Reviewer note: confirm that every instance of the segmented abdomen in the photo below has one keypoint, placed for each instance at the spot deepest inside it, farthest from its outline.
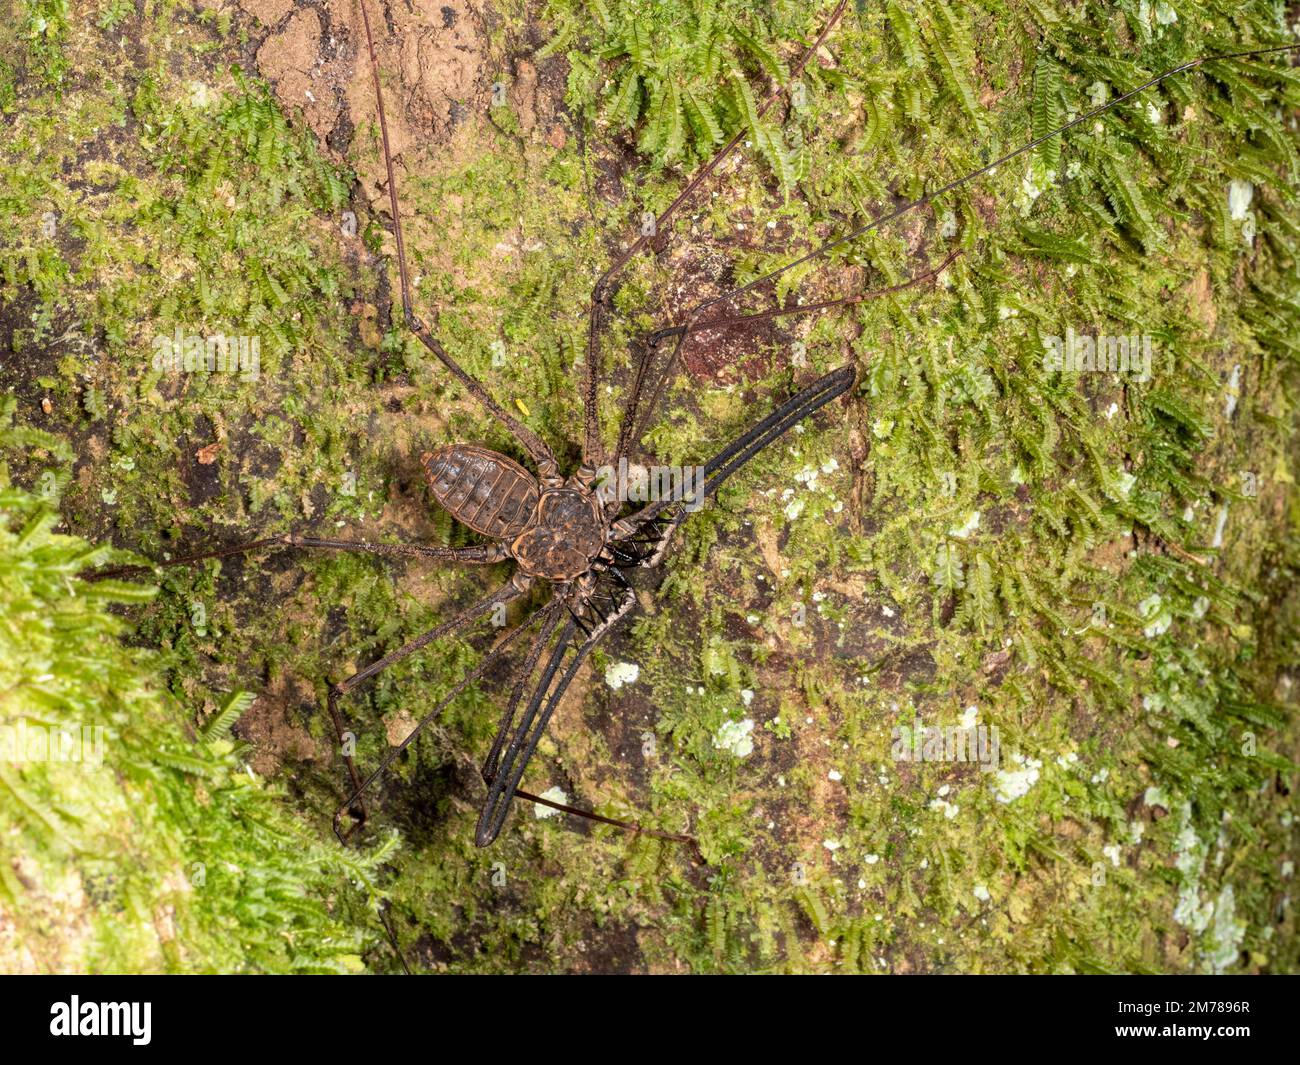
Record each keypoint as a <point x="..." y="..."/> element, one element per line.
<point x="487" y="491"/>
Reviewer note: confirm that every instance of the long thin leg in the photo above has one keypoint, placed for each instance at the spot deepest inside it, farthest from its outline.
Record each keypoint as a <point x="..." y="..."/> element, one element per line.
<point x="639" y="424"/>
<point x="628" y="826"/>
<point x="690" y="318"/>
<point x="355" y="799"/>
<point x="490" y="764"/>
<point x="551" y="616"/>
<point x="475" y="554"/>
<point x="593" y="452"/>
<point x="504" y="783"/>
<point x="542" y="456"/>
<point x="488" y="660"/>
<point x="649" y="528"/>
<point x="965" y="179"/>
<point x="777" y="424"/>
<point x="505" y="780"/>
<point x="386" y="920"/>
<point x="733" y="321"/>
<point x="515" y="587"/>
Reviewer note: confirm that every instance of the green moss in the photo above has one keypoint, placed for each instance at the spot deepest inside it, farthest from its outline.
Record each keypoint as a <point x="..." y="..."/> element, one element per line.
<point x="842" y="585"/>
<point x="132" y="842"/>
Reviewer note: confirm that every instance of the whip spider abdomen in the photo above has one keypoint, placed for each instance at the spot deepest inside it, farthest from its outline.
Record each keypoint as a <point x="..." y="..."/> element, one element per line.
<point x="483" y="490"/>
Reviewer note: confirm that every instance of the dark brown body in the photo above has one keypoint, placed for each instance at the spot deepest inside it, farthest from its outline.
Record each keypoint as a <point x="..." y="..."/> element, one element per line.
<point x="553" y="532"/>
<point x="481" y="489"/>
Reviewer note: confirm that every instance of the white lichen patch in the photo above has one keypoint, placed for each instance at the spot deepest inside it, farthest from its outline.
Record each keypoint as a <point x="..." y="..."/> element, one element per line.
<point x="1156" y="615"/>
<point x="1227" y="930"/>
<point x="555" y="795"/>
<point x="619" y="673"/>
<point x="1232" y="392"/>
<point x="1156" y="797"/>
<point x="943" y="806"/>
<point x="962" y="531"/>
<point x="1240" y="195"/>
<point x="1213" y="917"/>
<point x="808" y="476"/>
<point x="1036" y="181"/>
<point x="1191" y="912"/>
<point x="1012" y="784"/>
<point x="1122" y="483"/>
<point x="735" y="737"/>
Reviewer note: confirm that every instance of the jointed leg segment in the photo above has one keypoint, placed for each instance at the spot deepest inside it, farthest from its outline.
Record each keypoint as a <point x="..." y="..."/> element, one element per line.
<point x="512" y="590"/>
<point x="593" y="453"/>
<point x="548" y="468"/>
<point x="476" y="554"/>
